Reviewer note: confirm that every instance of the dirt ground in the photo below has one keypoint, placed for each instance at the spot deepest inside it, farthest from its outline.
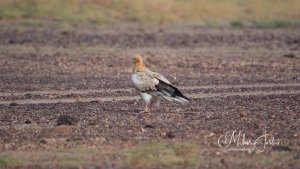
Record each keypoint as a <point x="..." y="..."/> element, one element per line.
<point x="245" y="80"/>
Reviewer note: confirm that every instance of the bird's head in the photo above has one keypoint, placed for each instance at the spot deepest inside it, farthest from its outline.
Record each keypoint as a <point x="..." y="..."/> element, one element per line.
<point x="138" y="63"/>
<point x="137" y="59"/>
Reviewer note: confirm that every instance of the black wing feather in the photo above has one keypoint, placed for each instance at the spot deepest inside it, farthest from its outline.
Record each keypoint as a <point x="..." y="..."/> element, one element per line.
<point x="169" y="89"/>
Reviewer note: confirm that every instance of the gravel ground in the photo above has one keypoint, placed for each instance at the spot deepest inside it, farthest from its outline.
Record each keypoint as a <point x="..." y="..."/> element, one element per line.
<point x="245" y="80"/>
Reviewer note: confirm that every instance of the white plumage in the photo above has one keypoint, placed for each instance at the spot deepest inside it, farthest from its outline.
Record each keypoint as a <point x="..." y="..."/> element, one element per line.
<point x="153" y="86"/>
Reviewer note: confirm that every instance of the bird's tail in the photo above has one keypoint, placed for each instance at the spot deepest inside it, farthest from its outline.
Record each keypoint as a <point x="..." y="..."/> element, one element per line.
<point x="180" y="97"/>
<point x="171" y="93"/>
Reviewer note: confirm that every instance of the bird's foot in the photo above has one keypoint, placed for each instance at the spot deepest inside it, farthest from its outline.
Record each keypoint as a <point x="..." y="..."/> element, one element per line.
<point x="145" y="111"/>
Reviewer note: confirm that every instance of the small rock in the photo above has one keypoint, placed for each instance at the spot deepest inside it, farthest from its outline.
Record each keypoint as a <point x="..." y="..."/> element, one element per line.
<point x="289" y="55"/>
<point x="143" y="130"/>
<point x="13" y="104"/>
<point x="211" y="134"/>
<point x="170" y="134"/>
<point x="27" y="121"/>
<point x="148" y="126"/>
<point x="43" y="141"/>
<point x="92" y="123"/>
<point x="222" y="161"/>
<point x="243" y="114"/>
<point x="11" y="41"/>
<point x="282" y="148"/>
<point x="194" y="109"/>
<point x="67" y="120"/>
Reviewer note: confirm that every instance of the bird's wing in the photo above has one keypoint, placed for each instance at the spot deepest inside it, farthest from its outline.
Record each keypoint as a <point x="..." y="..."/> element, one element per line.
<point x="158" y="76"/>
<point x="143" y="82"/>
<point x="154" y="83"/>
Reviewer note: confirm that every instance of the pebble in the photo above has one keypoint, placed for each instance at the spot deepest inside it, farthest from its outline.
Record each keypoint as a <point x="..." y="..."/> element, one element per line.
<point x="67" y="120"/>
<point x="13" y="104"/>
<point x="170" y="134"/>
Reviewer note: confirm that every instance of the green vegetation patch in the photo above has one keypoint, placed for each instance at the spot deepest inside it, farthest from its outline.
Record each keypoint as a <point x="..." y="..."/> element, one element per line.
<point x="270" y="159"/>
<point x="8" y="160"/>
<point x="237" y="24"/>
<point x="280" y="13"/>
<point x="163" y="154"/>
<point x="275" y="23"/>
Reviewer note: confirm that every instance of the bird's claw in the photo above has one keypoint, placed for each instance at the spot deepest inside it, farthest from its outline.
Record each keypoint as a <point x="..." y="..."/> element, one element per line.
<point x="145" y="111"/>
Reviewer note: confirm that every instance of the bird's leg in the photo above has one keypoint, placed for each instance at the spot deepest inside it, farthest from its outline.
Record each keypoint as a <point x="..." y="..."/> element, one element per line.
<point x="155" y="101"/>
<point x="146" y="110"/>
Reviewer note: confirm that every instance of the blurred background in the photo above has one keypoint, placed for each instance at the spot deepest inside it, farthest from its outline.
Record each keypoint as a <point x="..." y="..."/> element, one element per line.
<point x="235" y="13"/>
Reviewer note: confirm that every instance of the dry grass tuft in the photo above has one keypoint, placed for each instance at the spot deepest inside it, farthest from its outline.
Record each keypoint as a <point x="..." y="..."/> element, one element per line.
<point x="154" y="11"/>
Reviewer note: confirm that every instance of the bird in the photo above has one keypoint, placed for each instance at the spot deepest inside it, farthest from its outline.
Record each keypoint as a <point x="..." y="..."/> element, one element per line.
<point x="153" y="86"/>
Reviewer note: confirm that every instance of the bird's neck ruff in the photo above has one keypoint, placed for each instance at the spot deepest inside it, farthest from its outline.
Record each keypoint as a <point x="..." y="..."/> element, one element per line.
<point x="139" y="66"/>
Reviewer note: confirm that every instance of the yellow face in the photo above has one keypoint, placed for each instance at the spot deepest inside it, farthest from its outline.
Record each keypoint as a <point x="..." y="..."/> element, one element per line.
<point x="137" y="59"/>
